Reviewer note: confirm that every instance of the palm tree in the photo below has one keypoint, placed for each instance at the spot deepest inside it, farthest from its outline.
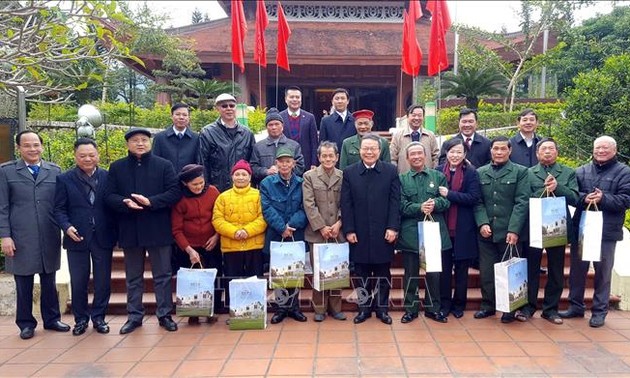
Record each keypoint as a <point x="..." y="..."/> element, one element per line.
<point x="473" y="83"/>
<point x="207" y="89"/>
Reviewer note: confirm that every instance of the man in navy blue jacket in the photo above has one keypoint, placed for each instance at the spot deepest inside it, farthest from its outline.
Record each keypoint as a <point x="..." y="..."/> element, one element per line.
<point x="89" y="234"/>
<point x="525" y="141"/>
<point x="141" y="188"/>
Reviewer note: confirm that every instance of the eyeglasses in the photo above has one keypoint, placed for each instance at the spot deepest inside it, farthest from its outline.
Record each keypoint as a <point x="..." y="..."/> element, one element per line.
<point x="225" y="106"/>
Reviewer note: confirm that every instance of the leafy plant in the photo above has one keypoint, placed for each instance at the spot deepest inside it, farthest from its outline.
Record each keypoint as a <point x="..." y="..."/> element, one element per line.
<point x="472" y="83"/>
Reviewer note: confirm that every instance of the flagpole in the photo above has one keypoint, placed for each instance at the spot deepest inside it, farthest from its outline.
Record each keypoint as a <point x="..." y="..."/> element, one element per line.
<point x="277" y="86"/>
<point x="259" y="87"/>
<point x="400" y="95"/>
<point x="232" y="78"/>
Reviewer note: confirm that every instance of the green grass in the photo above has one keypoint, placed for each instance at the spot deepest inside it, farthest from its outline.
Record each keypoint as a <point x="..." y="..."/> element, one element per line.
<point x="238" y="324"/>
<point x="194" y="312"/>
<point x="554" y="241"/>
<point x="279" y="283"/>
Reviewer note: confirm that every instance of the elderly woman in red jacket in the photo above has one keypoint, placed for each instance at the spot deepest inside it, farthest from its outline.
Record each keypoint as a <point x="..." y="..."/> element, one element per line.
<point x="191" y="220"/>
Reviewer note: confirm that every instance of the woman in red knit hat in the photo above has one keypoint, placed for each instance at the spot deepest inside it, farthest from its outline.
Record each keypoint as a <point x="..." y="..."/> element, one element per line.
<point x="191" y="220"/>
<point x="239" y="220"/>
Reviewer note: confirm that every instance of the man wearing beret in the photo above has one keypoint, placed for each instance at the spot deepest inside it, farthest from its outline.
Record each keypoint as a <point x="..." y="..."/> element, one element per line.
<point x="141" y="188"/>
<point x="224" y="142"/>
<point x="350" y="148"/>
<point x="263" y="159"/>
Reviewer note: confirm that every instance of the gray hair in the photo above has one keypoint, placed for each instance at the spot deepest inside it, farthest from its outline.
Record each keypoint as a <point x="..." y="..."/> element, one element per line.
<point x="607" y="139"/>
<point x="327" y="144"/>
<point x="415" y="144"/>
<point x="371" y="136"/>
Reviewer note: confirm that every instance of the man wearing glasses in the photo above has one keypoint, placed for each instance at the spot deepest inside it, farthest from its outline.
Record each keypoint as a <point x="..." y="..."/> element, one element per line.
<point x="223" y="143"/>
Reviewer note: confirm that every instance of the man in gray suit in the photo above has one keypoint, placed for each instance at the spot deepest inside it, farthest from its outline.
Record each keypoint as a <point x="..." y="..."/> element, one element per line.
<point x="31" y="241"/>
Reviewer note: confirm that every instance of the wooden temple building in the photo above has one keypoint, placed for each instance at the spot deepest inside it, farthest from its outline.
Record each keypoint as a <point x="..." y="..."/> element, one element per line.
<point x="351" y="44"/>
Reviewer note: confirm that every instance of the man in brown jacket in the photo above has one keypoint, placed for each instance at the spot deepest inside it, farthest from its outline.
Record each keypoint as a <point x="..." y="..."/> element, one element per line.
<point x="321" y="193"/>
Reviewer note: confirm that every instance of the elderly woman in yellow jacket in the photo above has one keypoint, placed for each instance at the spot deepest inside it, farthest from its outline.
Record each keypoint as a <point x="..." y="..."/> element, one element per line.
<point x="238" y="218"/>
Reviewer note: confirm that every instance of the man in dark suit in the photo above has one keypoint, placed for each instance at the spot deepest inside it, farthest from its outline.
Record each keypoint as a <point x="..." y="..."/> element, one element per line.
<point x="300" y="126"/>
<point x="179" y="145"/>
<point x="477" y="146"/>
<point x="141" y="188"/>
<point x="90" y="234"/>
<point x="339" y="125"/>
<point x="525" y="141"/>
<point x="31" y="241"/>
<point x="370" y="218"/>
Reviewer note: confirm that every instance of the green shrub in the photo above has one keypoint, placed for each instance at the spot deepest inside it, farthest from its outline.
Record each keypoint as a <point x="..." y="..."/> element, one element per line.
<point x="256" y="120"/>
<point x="53" y="112"/>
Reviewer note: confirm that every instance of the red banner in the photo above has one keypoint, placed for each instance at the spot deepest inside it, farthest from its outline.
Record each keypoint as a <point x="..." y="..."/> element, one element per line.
<point x="440" y="23"/>
<point x="239" y="29"/>
<point x="284" y="32"/>
<point x="262" y="21"/>
<point x="411" y="53"/>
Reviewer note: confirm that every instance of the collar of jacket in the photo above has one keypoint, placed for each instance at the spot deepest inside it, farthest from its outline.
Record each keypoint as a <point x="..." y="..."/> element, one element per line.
<point x="237" y="125"/>
<point x="242" y="190"/>
<point x="281" y="140"/>
<point x="278" y="180"/>
<point x="424" y="171"/>
<point x="518" y="138"/>
<point x="171" y="132"/>
<point x="605" y="165"/>
<point x="407" y="131"/>
<point x="142" y="159"/>
<point x="377" y="166"/>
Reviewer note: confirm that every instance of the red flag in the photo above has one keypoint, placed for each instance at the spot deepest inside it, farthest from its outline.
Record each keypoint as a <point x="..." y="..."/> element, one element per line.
<point x="262" y="21"/>
<point x="440" y="23"/>
<point x="411" y="53"/>
<point x="284" y="32"/>
<point x="239" y="28"/>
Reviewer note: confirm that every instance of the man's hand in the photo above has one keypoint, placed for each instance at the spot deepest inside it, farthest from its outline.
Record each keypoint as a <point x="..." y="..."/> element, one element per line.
<point x="288" y="232"/>
<point x="427" y="206"/>
<point x="335" y="229"/>
<point x="132" y="204"/>
<point x="193" y="255"/>
<point x="8" y="247"/>
<point x="511" y="238"/>
<point x="352" y="238"/>
<point x="485" y="231"/>
<point x="390" y="235"/>
<point x="74" y="234"/>
<point x="443" y="191"/>
<point x="594" y="197"/>
<point x="272" y="170"/>
<point x="326" y="232"/>
<point x="550" y="183"/>
<point x="142" y="200"/>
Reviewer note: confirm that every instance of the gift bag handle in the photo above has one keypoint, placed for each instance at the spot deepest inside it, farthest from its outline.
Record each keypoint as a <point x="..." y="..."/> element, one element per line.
<point x="429" y="217"/>
<point x="335" y="239"/>
<point x="510" y="251"/>
<point x="592" y="204"/>
<point x="198" y="262"/>
<point x="547" y="193"/>
<point x="292" y="239"/>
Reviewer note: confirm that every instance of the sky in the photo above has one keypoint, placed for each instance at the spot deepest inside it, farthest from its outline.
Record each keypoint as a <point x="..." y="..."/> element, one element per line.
<point x="487" y="15"/>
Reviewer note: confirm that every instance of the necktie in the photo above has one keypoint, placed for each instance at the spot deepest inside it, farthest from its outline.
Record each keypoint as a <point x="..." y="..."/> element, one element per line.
<point x="469" y="142"/>
<point x="180" y="135"/>
<point x="294" y="115"/>
<point x="34" y="170"/>
<point x="415" y="136"/>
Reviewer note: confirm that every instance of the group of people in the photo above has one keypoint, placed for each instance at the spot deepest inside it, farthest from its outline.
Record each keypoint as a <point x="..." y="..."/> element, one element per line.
<point x="218" y="199"/>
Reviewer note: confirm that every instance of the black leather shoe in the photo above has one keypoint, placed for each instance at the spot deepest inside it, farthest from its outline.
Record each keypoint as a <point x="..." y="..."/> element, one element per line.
<point x="58" y="326"/>
<point x="168" y="324"/>
<point x="297" y="315"/>
<point x="437" y="316"/>
<point x="484" y="314"/>
<point x="27" y="333"/>
<point x="408" y="317"/>
<point x="278" y="317"/>
<point x="507" y="317"/>
<point x="385" y="318"/>
<point x="79" y="328"/>
<point x="362" y="316"/>
<point x="570" y="313"/>
<point x="101" y="326"/>
<point x="597" y="321"/>
<point x="129" y="326"/>
<point x="457" y="313"/>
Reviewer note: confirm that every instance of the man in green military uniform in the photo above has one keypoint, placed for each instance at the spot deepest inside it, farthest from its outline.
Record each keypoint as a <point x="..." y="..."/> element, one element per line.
<point x="350" y="147"/>
<point x="420" y="197"/>
<point x="505" y="194"/>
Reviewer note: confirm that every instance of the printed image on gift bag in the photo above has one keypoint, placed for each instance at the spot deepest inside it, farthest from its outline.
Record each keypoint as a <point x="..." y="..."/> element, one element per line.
<point x="510" y="281"/>
<point x="195" y="292"/>
<point x="547" y="222"/>
<point x="286" y="264"/>
<point x="331" y="266"/>
<point x="248" y="303"/>
<point x="430" y="244"/>
<point x="590" y="234"/>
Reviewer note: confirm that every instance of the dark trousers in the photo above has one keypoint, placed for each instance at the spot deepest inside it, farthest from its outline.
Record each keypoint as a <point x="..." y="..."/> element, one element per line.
<point x="490" y="253"/>
<point x="453" y="300"/>
<point x="49" y="301"/>
<point x="555" y="276"/>
<point x="411" y="280"/>
<point x="240" y="265"/>
<point x="161" y="270"/>
<point x="603" y="273"/>
<point x="372" y="283"/>
<point x="80" y="263"/>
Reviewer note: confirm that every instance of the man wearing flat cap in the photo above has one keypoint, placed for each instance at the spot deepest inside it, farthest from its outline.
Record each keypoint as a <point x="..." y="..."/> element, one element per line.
<point x="224" y="142"/>
<point x="350" y="148"/>
<point x="141" y="189"/>
<point x="263" y="159"/>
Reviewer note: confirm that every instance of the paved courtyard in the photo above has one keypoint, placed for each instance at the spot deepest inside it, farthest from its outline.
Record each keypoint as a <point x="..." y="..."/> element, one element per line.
<point x="461" y="348"/>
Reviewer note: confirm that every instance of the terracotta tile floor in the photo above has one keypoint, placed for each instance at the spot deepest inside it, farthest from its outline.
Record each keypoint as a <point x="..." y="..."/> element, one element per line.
<point x="461" y="348"/>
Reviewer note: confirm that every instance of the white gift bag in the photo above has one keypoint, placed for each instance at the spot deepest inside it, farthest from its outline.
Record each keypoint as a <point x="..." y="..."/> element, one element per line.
<point x="286" y="264"/>
<point x="510" y="281"/>
<point x="331" y="266"/>
<point x="547" y="222"/>
<point x="195" y="292"/>
<point x="430" y="244"/>
<point x="590" y="234"/>
<point x="248" y="303"/>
